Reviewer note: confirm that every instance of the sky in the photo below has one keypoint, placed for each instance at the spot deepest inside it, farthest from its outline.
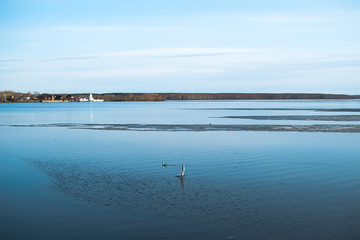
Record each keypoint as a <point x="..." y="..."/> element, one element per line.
<point x="67" y="46"/>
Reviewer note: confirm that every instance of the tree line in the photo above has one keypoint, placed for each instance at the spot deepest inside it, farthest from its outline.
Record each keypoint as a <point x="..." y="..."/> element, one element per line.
<point x="215" y="96"/>
<point x="11" y="96"/>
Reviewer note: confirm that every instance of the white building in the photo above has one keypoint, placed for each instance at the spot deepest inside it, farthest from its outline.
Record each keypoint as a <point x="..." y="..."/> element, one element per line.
<point x="90" y="99"/>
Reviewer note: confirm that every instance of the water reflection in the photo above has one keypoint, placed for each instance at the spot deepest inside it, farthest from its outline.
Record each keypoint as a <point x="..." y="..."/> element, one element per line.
<point x="182" y="184"/>
<point x="91" y="116"/>
<point x="252" y="185"/>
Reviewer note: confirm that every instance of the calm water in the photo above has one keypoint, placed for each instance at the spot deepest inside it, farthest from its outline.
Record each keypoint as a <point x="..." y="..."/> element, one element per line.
<point x="65" y="182"/>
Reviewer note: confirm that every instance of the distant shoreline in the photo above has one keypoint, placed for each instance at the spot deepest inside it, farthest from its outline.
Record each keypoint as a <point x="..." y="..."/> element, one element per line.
<point x="10" y="96"/>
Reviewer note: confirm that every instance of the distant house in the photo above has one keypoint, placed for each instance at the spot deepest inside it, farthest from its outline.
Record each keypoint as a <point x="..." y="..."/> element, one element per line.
<point x="11" y="98"/>
<point x="69" y="97"/>
<point x="46" y="97"/>
<point x="51" y="98"/>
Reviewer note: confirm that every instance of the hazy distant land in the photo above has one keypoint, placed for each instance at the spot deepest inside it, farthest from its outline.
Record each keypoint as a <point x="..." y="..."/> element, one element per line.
<point x="11" y="96"/>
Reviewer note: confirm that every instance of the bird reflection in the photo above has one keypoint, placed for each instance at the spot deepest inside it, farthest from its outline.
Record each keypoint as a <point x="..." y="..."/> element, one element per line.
<point x="182" y="183"/>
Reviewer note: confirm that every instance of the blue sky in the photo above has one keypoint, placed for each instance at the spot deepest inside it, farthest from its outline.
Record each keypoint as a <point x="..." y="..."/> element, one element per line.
<point x="180" y="46"/>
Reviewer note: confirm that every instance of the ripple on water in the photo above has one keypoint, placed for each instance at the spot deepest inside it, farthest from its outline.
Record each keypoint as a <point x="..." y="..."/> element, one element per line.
<point x="190" y="198"/>
<point x="198" y="199"/>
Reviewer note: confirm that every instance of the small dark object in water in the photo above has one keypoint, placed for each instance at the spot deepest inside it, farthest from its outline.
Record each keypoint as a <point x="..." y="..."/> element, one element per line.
<point x="164" y="165"/>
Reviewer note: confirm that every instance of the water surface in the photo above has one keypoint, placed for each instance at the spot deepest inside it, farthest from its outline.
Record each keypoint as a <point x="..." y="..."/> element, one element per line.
<point x="61" y="180"/>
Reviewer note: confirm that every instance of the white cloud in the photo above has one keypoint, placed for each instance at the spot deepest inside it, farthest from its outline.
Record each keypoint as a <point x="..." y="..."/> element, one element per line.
<point x="179" y="52"/>
<point x="169" y="67"/>
<point x="103" y="28"/>
<point x="285" y="19"/>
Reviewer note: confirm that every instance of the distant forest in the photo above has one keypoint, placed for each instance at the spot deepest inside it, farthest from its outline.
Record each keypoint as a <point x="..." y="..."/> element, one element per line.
<point x="10" y="96"/>
<point x="215" y="96"/>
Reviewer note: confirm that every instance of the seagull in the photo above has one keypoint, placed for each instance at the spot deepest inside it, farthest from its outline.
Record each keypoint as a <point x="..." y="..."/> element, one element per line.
<point x="164" y="165"/>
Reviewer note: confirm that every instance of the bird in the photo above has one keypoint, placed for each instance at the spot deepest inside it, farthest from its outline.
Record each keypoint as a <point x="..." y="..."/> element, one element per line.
<point x="182" y="171"/>
<point x="164" y="165"/>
